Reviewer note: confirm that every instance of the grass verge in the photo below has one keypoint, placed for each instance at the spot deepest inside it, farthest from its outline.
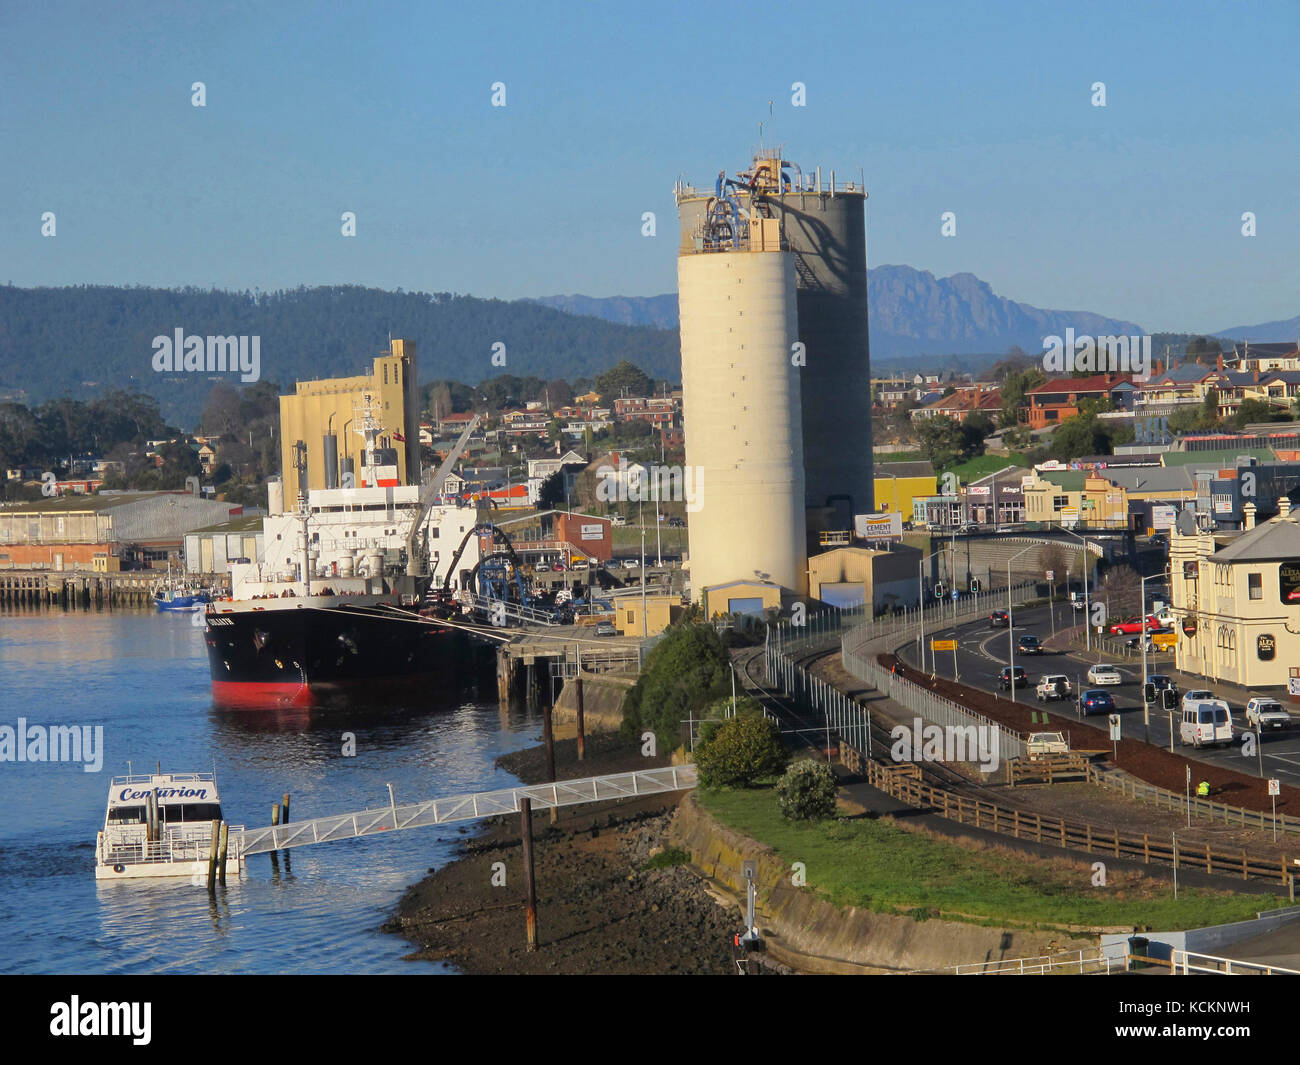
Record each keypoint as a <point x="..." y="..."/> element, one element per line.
<point x="874" y="864"/>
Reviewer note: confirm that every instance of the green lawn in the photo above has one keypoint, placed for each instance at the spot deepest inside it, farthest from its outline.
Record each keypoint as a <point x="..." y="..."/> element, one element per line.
<point x="873" y="864"/>
<point x="983" y="465"/>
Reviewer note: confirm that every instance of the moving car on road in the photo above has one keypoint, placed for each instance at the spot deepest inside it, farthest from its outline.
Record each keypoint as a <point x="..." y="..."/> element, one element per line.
<point x="1133" y="626"/>
<point x="1263" y="713"/>
<point x="1206" y="723"/>
<point x="1053" y="686"/>
<point x="1096" y="701"/>
<point x="1198" y="695"/>
<point x="1029" y="645"/>
<point x="1004" y="678"/>
<point x="1102" y="673"/>
<point x="1161" y="681"/>
<point x="999" y="619"/>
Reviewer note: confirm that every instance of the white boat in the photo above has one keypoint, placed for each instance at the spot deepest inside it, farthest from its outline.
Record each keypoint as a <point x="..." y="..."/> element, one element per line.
<point x="160" y="825"/>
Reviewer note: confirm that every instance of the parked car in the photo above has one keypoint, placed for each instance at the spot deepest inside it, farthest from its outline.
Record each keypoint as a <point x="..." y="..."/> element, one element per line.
<point x="1131" y="626"/>
<point x="605" y="628"/>
<point x="1004" y="678"/>
<point x="1096" y="701"/>
<point x="931" y="526"/>
<point x="557" y="566"/>
<point x="1159" y="540"/>
<point x="1102" y="673"/>
<point x="1004" y="529"/>
<point x="676" y="522"/>
<point x="1077" y="601"/>
<point x="580" y="563"/>
<point x="1029" y="645"/>
<point x="618" y="521"/>
<point x="1206" y="723"/>
<point x="1263" y="713"/>
<point x="631" y="563"/>
<point x="1042" y="744"/>
<point x="999" y="619"/>
<point x="1053" y="686"/>
<point x="542" y="567"/>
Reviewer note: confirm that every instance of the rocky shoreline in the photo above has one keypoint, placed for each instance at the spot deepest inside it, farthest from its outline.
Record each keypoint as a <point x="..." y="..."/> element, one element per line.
<point x="609" y="899"/>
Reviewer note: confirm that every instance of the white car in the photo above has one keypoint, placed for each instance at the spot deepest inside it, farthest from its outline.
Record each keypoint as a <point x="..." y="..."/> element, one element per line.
<point x="1104" y="674"/>
<point x="1263" y="713"/>
<point x="1194" y="698"/>
<point x="631" y="563"/>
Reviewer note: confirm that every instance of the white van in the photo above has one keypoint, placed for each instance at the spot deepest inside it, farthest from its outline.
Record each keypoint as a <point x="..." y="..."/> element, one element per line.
<point x="1206" y="723"/>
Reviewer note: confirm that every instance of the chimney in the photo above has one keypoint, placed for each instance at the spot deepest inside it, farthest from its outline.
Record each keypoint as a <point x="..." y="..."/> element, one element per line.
<point x="1248" y="513"/>
<point x="1218" y="363"/>
<point x="1160" y="367"/>
<point x="1256" y="375"/>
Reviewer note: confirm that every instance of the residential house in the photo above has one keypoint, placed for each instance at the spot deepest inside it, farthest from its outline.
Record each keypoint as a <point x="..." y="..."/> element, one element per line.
<point x="1058" y="399"/>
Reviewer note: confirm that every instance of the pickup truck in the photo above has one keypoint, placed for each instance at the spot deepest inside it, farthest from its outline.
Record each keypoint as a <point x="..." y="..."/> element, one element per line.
<point x="1041" y="744"/>
<point x="1267" y="714"/>
<point x="1053" y="686"/>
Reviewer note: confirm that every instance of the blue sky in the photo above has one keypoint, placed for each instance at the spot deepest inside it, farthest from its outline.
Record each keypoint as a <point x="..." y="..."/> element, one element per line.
<point x="1132" y="210"/>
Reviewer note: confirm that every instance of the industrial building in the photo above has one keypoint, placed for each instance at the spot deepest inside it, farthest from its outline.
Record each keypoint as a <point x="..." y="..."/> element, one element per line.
<point x="107" y="532"/>
<point x="772" y="286"/>
<point x="324" y="416"/>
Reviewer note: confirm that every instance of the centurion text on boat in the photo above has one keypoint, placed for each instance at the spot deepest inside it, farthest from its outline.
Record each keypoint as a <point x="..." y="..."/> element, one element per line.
<point x="160" y="825"/>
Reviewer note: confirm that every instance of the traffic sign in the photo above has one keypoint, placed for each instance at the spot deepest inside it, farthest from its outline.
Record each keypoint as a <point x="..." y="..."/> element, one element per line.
<point x="1114" y="727"/>
<point x="955" y="595"/>
<point x="943" y="645"/>
<point x="1051" y="574"/>
<point x="1274" y="786"/>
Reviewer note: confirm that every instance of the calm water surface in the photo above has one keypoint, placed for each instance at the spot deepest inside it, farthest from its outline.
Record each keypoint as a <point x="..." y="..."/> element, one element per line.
<point x="144" y="678"/>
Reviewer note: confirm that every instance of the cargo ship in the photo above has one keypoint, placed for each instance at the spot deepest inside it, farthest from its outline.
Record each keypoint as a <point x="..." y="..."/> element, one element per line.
<point x="356" y="592"/>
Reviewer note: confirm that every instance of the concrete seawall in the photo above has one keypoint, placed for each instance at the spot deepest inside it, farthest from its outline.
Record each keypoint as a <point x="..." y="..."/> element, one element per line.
<point x="602" y="702"/>
<point x="810" y="934"/>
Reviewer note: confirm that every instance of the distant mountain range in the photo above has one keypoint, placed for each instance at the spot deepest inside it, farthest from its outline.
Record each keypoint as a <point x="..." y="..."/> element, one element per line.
<point x="1286" y="330"/>
<point x="83" y="341"/>
<point x="912" y="313"/>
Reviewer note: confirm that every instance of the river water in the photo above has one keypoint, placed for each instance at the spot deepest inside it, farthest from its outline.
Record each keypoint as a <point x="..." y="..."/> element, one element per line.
<point x="144" y="678"/>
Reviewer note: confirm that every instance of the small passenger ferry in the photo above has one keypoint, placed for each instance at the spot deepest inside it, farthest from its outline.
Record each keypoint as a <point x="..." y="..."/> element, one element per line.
<point x="160" y="825"/>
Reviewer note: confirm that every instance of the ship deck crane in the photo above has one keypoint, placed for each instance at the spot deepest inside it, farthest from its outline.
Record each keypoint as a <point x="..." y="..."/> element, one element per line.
<point x="417" y="558"/>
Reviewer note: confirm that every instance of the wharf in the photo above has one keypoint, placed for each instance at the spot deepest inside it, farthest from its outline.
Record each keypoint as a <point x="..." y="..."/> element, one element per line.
<point x="84" y="589"/>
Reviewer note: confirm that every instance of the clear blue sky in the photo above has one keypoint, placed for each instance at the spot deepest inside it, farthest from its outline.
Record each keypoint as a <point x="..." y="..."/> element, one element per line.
<point x="1132" y="210"/>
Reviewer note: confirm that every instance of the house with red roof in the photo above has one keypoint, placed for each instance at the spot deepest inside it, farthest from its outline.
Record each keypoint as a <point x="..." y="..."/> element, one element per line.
<point x="1052" y="402"/>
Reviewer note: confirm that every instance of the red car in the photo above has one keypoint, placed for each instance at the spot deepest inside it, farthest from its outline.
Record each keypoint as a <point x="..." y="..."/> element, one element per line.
<point x="1134" y="626"/>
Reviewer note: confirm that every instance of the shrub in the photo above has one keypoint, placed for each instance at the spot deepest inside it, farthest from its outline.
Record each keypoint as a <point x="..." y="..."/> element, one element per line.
<point x="687" y="670"/>
<point x="807" y="791"/>
<point x="739" y="751"/>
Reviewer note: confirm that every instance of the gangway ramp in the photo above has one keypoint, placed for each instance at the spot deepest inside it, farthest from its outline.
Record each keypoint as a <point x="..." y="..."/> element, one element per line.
<point x="463" y="808"/>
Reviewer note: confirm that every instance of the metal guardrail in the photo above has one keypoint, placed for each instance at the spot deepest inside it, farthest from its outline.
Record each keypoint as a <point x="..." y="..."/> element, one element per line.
<point x="1094" y="961"/>
<point x="1186" y="962"/>
<point x="463" y="808"/>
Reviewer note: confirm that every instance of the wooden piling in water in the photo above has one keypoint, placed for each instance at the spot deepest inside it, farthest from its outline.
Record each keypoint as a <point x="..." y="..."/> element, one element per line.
<point x="530" y="892"/>
<point x="284" y="809"/>
<point x="212" y="858"/>
<point x="222" y="851"/>
<point x="548" y="737"/>
<point x="582" y="732"/>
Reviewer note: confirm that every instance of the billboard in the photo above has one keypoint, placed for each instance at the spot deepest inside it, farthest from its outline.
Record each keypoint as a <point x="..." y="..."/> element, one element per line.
<point x="878" y="526"/>
<point x="1162" y="517"/>
<point x="1288" y="579"/>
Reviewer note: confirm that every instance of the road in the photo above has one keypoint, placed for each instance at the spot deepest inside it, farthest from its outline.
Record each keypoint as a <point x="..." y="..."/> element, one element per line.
<point x="982" y="651"/>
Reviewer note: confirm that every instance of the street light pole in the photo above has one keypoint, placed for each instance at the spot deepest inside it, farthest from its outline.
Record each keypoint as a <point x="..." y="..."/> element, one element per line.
<point x="1087" y="612"/>
<point x="1011" y="640"/>
<point x="920" y="599"/>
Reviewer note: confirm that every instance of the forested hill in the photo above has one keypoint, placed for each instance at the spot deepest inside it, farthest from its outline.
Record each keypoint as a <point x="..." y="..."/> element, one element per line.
<point x="85" y="341"/>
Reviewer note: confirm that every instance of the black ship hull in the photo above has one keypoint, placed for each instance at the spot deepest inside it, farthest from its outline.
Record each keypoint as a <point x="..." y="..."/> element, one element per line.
<point x="304" y="657"/>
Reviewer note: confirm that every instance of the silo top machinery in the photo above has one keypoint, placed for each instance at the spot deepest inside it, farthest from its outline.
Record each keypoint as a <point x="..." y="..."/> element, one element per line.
<point x="776" y="208"/>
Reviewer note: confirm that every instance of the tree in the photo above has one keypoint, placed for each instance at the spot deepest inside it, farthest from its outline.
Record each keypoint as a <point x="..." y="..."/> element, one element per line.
<point x="1121" y="591"/>
<point x="625" y="378"/>
<point x="688" y="669"/>
<point x="1078" y="436"/>
<point x="1015" y="385"/>
<point x="807" y="791"/>
<point x="941" y="440"/>
<point x="551" y="494"/>
<point x="741" y="750"/>
<point x="1252" y="411"/>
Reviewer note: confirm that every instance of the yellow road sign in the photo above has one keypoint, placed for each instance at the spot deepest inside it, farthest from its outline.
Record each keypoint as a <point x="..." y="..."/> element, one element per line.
<point x="943" y="645"/>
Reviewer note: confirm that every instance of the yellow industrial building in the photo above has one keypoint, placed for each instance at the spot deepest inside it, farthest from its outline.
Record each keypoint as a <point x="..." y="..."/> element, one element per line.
<point x="330" y="407"/>
<point x="898" y="484"/>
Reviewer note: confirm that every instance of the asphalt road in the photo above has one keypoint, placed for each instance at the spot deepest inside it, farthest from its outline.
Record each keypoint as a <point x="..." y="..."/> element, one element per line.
<point x="982" y="651"/>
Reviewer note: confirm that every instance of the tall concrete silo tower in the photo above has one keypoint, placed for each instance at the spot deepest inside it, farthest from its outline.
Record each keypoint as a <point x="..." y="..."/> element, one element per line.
<point x="739" y="318"/>
<point x="820" y="228"/>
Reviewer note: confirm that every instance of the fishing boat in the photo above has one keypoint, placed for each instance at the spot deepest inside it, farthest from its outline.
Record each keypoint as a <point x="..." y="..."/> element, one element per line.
<point x="180" y="597"/>
<point x="160" y="825"/>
